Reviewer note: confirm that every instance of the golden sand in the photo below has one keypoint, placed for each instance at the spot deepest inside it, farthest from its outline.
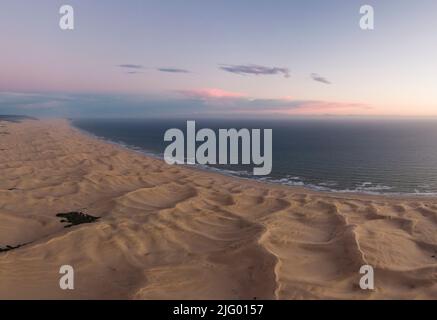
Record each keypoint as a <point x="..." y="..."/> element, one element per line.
<point x="171" y="232"/>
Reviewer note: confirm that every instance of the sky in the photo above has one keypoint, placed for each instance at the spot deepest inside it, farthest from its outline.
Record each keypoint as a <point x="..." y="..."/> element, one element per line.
<point x="263" y="58"/>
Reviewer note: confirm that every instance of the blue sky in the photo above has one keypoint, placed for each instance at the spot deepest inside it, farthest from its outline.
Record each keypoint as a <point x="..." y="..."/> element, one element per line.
<point x="193" y="57"/>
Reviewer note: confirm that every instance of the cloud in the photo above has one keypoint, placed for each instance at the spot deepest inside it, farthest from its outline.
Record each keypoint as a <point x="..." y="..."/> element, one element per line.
<point x="42" y="105"/>
<point x="319" y="108"/>
<point x="318" y="78"/>
<point x="31" y="100"/>
<point x="33" y="103"/>
<point x="131" y="66"/>
<point x="173" y="70"/>
<point x="96" y="105"/>
<point x="211" y="93"/>
<point x="217" y="101"/>
<point x="207" y="102"/>
<point x="253" y="69"/>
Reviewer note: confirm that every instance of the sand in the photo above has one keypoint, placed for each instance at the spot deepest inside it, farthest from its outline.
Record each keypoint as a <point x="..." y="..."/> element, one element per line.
<point x="171" y="232"/>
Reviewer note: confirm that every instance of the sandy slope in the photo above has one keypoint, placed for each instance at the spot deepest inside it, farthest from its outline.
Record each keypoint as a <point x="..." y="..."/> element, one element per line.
<point x="172" y="232"/>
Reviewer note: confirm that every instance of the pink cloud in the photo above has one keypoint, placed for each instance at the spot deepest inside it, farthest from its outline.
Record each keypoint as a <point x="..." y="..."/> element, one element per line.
<point x="211" y="93"/>
<point x="332" y="107"/>
<point x="322" y="107"/>
<point x="287" y="105"/>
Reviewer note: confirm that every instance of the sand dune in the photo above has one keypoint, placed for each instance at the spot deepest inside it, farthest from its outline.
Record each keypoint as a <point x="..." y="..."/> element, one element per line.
<point x="170" y="232"/>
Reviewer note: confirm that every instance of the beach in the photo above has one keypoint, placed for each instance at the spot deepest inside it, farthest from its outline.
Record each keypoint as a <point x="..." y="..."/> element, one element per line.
<point x="174" y="232"/>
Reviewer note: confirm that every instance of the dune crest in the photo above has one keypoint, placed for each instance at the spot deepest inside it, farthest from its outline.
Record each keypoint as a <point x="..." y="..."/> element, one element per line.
<point x="171" y="232"/>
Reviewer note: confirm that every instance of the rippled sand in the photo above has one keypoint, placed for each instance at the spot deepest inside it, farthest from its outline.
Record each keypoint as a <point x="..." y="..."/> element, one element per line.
<point x="170" y="232"/>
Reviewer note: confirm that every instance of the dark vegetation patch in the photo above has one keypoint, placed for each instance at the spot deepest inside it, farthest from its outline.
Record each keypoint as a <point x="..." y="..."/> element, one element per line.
<point x="8" y="248"/>
<point x="74" y="218"/>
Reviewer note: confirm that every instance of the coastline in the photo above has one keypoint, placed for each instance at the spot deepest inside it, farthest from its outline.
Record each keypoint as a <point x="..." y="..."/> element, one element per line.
<point x="222" y="173"/>
<point x="168" y="232"/>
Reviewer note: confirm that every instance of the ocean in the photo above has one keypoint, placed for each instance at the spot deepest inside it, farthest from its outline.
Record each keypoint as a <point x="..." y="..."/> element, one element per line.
<point x="374" y="156"/>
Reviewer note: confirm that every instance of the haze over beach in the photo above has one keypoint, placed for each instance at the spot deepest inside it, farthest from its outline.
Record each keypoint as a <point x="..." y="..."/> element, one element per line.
<point x="83" y="117"/>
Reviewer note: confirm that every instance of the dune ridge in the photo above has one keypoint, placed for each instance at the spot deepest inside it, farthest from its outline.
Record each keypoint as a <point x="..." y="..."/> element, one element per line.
<point x="171" y="232"/>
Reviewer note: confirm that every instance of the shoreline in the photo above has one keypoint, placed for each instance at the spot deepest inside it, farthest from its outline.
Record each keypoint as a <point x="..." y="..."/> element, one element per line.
<point x="157" y="231"/>
<point x="207" y="169"/>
